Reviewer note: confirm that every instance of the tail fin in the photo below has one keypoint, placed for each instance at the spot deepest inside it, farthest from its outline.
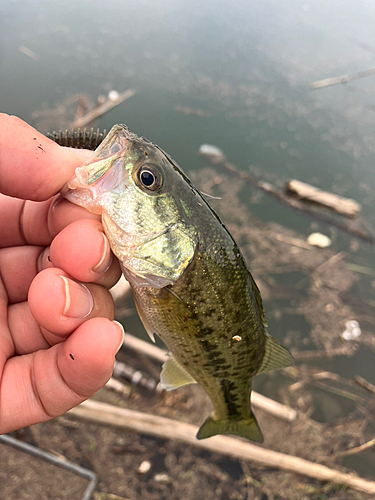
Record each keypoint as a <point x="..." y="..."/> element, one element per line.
<point x="245" y="428"/>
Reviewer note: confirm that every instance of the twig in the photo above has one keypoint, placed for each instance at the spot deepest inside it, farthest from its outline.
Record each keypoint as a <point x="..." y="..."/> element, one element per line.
<point x="273" y="407"/>
<point x="269" y="405"/>
<point x="346" y="350"/>
<point x="365" y="384"/>
<point x="28" y="52"/>
<point x="357" y="449"/>
<point x="117" y="386"/>
<point x="100" y="110"/>
<point x="341" y="79"/>
<point x="315" y="378"/>
<point x="150" y="350"/>
<point x="108" y="496"/>
<point x="338" y="391"/>
<point x="282" y="198"/>
<point x="330" y="262"/>
<point x="171" y="429"/>
<point x="292" y="241"/>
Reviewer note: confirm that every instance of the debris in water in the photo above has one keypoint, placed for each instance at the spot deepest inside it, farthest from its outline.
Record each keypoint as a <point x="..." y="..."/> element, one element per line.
<point x="212" y="153"/>
<point x="162" y="478"/>
<point x="352" y="330"/>
<point x="319" y="240"/>
<point x="312" y="194"/>
<point x="144" y="467"/>
<point x="28" y="52"/>
<point x="113" y="95"/>
<point x="191" y="111"/>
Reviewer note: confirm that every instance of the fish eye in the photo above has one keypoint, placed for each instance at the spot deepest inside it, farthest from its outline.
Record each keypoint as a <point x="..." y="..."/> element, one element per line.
<point x="150" y="177"/>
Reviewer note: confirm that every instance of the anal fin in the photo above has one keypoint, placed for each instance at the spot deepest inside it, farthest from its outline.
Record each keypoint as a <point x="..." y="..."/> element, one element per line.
<point x="174" y="376"/>
<point x="275" y="356"/>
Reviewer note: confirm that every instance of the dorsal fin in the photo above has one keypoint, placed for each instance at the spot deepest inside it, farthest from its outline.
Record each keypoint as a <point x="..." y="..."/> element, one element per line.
<point x="174" y="376"/>
<point x="275" y="356"/>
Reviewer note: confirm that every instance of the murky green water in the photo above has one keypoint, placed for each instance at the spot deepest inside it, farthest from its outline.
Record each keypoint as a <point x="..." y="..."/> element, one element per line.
<point x="247" y="65"/>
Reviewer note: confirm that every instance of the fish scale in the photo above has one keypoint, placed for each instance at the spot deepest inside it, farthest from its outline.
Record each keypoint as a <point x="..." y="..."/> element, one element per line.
<point x="190" y="282"/>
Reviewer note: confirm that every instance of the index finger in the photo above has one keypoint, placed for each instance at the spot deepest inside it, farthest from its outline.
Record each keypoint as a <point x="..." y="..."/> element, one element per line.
<point x="32" y="166"/>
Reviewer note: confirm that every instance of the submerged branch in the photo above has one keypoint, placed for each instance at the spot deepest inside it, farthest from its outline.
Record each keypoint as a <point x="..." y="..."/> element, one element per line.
<point x="365" y="384"/>
<point x="327" y="82"/>
<point x="268" y="188"/>
<point x="357" y="449"/>
<point x="172" y="429"/>
<point x="104" y="108"/>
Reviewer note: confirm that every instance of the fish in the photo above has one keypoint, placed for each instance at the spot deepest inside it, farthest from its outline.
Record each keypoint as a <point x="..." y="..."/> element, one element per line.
<point x="191" y="285"/>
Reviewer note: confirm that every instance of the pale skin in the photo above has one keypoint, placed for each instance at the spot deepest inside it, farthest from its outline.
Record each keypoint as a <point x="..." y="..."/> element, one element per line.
<point x="57" y="338"/>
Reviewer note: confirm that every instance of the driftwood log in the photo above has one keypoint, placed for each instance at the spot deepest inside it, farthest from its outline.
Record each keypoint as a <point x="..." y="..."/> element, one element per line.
<point x="172" y="429"/>
<point x="312" y="194"/>
<point x="327" y="82"/>
<point x="266" y="187"/>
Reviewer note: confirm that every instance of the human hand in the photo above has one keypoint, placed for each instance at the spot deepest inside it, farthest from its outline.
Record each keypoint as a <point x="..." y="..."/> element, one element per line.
<point x="57" y="340"/>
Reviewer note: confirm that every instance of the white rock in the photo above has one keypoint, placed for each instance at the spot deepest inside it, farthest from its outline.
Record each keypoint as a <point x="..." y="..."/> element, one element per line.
<point x="352" y="330"/>
<point x="144" y="467"/>
<point x="211" y="152"/>
<point x="113" y="95"/>
<point x="162" y="478"/>
<point x="319" y="240"/>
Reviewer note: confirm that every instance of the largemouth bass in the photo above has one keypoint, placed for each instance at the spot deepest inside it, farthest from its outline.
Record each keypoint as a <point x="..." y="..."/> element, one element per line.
<point x="190" y="282"/>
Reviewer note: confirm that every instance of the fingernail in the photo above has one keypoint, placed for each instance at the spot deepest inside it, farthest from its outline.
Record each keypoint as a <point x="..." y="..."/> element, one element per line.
<point x="121" y="328"/>
<point x="78" y="299"/>
<point x="106" y="259"/>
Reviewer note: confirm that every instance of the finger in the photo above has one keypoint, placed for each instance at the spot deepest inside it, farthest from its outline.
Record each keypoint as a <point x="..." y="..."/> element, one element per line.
<point x="86" y="257"/>
<point x="18" y="267"/>
<point x="60" y="304"/>
<point x="83" y="251"/>
<point x="43" y="385"/>
<point x="24" y="331"/>
<point x="32" y="166"/>
<point x="62" y="213"/>
<point x="36" y="223"/>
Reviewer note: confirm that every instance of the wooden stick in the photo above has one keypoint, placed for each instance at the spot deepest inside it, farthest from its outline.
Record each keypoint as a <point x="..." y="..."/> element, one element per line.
<point x="269" y="405"/>
<point x="312" y="194"/>
<point x="330" y="262"/>
<point x="150" y="350"/>
<point x="297" y="242"/>
<point x="364" y="383"/>
<point x="100" y="110"/>
<point x="117" y="386"/>
<point x="268" y="188"/>
<point x="346" y="350"/>
<point x="341" y="79"/>
<point x="357" y="449"/>
<point x="171" y="429"/>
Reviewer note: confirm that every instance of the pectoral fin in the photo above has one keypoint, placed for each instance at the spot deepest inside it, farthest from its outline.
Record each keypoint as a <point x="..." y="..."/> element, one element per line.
<point x="275" y="356"/>
<point x="173" y="375"/>
<point x="146" y="324"/>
